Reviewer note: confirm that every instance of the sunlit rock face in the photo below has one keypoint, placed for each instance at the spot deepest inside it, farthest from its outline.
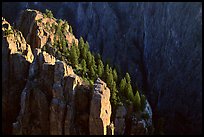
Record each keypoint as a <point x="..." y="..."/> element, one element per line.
<point x="158" y="43"/>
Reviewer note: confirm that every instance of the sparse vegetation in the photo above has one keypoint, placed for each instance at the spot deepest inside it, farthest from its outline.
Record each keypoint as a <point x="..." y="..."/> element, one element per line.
<point x="8" y="32"/>
<point x="90" y="66"/>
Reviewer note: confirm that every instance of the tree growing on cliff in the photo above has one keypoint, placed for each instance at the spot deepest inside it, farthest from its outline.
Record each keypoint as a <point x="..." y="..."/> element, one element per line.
<point x="127" y="77"/>
<point x="106" y="72"/>
<point x="129" y="92"/>
<point x="89" y="60"/>
<point x="84" y="69"/>
<point x="100" y="68"/>
<point x="143" y="102"/>
<point x="70" y="29"/>
<point x="109" y="79"/>
<point x="73" y="56"/>
<point x="115" y="75"/>
<point x="122" y="86"/>
<point x="137" y="101"/>
<point x="92" y="74"/>
<point x="114" y="92"/>
<point x="81" y="43"/>
<point x="49" y="13"/>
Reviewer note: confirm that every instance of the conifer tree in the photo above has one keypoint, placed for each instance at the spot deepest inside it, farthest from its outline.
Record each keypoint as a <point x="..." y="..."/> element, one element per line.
<point x="143" y="102"/>
<point x="73" y="56"/>
<point x="137" y="102"/>
<point x="81" y="42"/>
<point x="92" y="73"/>
<point x="106" y="72"/>
<point x="129" y="92"/>
<point x="115" y="75"/>
<point x="100" y="68"/>
<point x="114" y="94"/>
<point x="127" y="76"/>
<point x="70" y="29"/>
<point x="109" y="79"/>
<point x="122" y="85"/>
<point x="89" y="60"/>
<point x="84" y="69"/>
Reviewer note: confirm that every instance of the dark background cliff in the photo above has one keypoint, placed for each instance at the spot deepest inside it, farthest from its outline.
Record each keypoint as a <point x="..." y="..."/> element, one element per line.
<point x="158" y="43"/>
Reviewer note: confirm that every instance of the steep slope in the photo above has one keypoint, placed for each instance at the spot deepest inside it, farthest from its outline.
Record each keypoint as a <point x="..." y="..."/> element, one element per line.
<point x="50" y="98"/>
<point x="158" y="43"/>
<point x="16" y="58"/>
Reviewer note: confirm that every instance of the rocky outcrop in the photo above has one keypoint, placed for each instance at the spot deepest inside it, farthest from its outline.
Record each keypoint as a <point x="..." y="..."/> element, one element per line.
<point x="158" y="43"/>
<point x="38" y="29"/>
<point x="50" y="98"/>
<point x="16" y="58"/>
<point x="100" y="110"/>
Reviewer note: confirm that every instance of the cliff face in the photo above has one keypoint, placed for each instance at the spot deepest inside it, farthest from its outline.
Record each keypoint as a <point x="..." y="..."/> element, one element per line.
<point x="158" y="43"/>
<point x="42" y="95"/>
<point x="49" y="98"/>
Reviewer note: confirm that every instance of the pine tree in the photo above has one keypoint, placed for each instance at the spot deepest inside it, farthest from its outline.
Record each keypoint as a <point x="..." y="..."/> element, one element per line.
<point x="143" y="102"/>
<point x="129" y="92"/>
<point x="83" y="52"/>
<point x="64" y="46"/>
<point x="137" y="101"/>
<point x="127" y="76"/>
<point x="92" y="73"/>
<point x="100" y="68"/>
<point x="109" y="79"/>
<point x="115" y="75"/>
<point x="114" y="92"/>
<point x="93" y="63"/>
<point x="84" y="69"/>
<point x="98" y="58"/>
<point x="49" y="13"/>
<point x="122" y="85"/>
<point x="73" y="56"/>
<point x="81" y="43"/>
<point x="70" y="29"/>
<point x="106" y="72"/>
<point x="76" y="47"/>
<point x="87" y="45"/>
<point x="89" y="59"/>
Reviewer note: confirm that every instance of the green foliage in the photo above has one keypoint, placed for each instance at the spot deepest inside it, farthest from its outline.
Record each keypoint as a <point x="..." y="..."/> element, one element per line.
<point x="8" y="32"/>
<point x="143" y="102"/>
<point x="127" y="76"/>
<point x="93" y="63"/>
<point x="106" y="72"/>
<point x="109" y="79"/>
<point x="77" y="49"/>
<point x="81" y="42"/>
<point x="92" y="73"/>
<point x="91" y="66"/>
<point x="129" y="92"/>
<point x="49" y="13"/>
<point x="114" y="94"/>
<point x="115" y="75"/>
<point x="137" y="102"/>
<point x="89" y="59"/>
<point x="73" y="56"/>
<point x="100" y="68"/>
<point x="122" y="86"/>
<point x="84" y="69"/>
<point x="98" y="58"/>
<point x="70" y="29"/>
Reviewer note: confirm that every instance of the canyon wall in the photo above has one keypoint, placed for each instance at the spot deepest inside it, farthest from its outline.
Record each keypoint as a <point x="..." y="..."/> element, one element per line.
<point x="158" y="43"/>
